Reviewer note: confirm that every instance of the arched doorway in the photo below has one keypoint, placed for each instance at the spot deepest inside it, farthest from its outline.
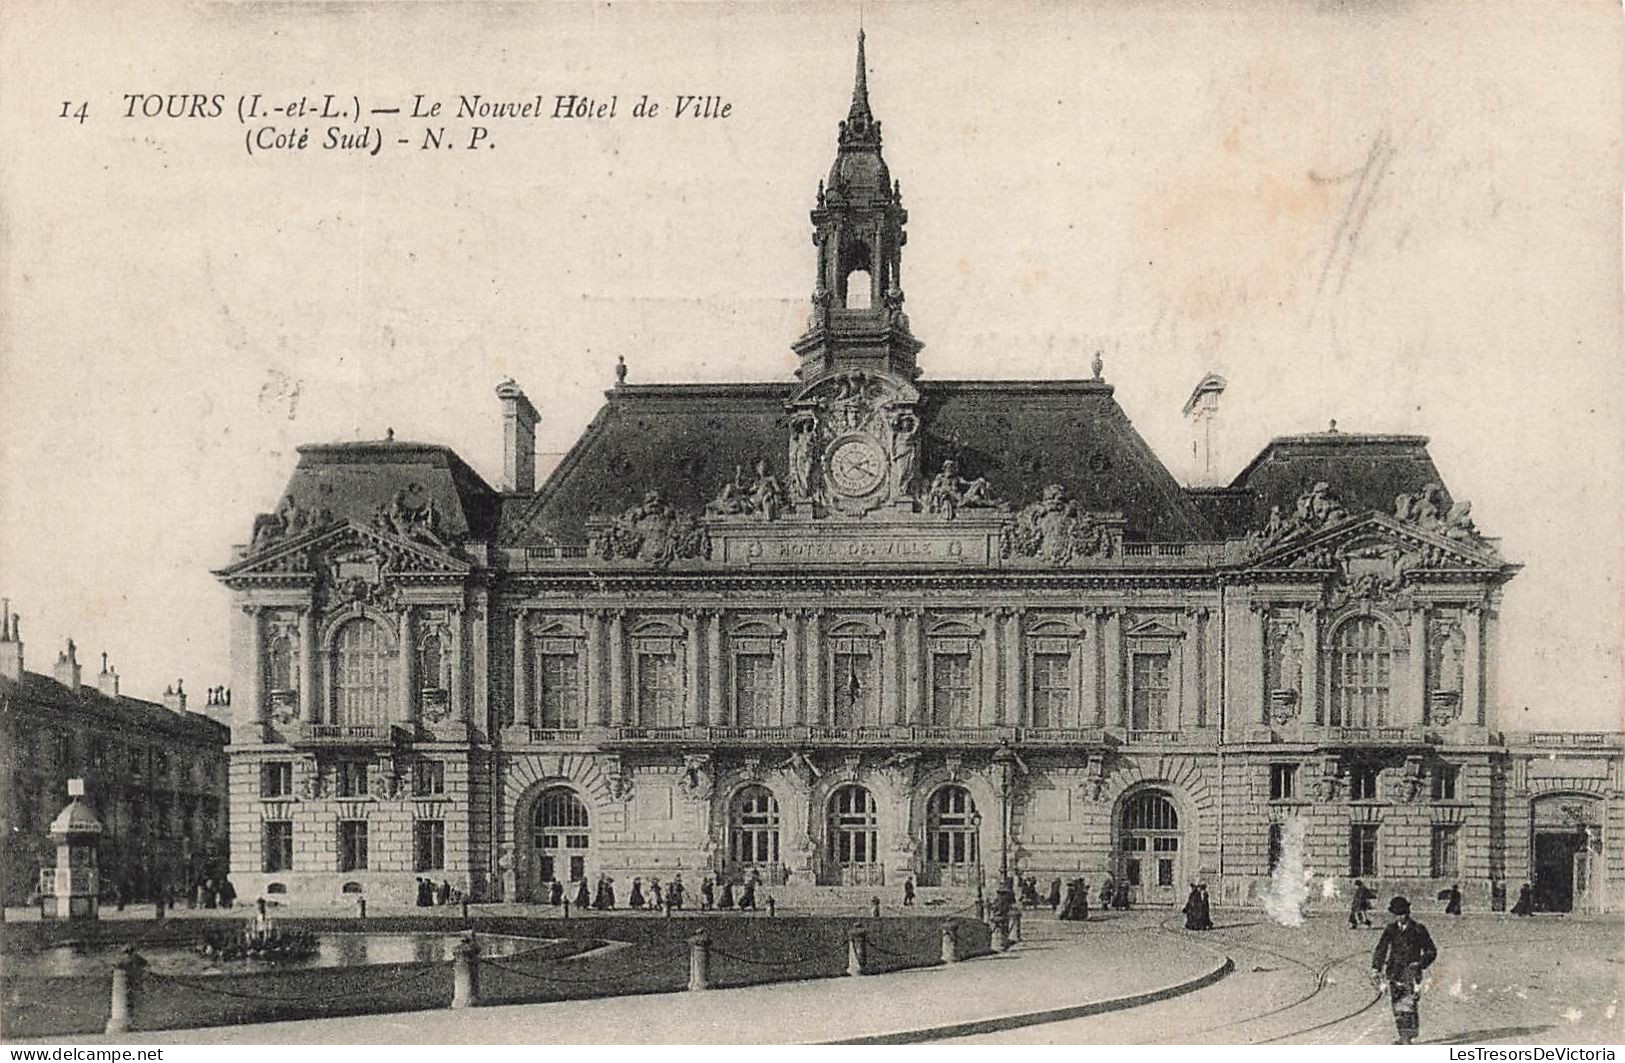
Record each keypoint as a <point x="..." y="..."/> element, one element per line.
<point x="561" y="837"/>
<point x="952" y="839"/>
<point x="1148" y="847"/>
<point x="1565" y="851"/>
<point x="852" y="834"/>
<point x="753" y="835"/>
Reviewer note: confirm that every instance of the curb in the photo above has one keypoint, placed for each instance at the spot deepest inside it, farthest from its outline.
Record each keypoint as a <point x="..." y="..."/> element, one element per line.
<point x="1038" y="1018"/>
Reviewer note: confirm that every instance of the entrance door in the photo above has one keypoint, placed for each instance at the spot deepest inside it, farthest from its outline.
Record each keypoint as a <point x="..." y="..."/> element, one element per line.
<point x="562" y="840"/>
<point x="1556" y="858"/>
<point x="852" y="832"/>
<point x="1149" y="849"/>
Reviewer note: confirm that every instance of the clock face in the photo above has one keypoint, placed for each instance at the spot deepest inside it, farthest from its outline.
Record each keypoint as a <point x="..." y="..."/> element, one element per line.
<point x="856" y="466"/>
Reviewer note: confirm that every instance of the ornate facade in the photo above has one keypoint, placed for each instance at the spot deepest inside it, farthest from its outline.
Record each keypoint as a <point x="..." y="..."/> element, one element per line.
<point x="864" y="626"/>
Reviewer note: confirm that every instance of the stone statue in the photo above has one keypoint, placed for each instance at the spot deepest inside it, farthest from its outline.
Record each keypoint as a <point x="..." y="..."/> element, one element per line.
<point x="950" y="493"/>
<point x="905" y="452"/>
<point x="652" y="531"/>
<point x="731" y="499"/>
<point x="803" y="437"/>
<point x="766" y="495"/>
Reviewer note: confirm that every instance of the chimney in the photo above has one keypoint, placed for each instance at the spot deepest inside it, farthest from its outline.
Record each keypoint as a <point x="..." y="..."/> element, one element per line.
<point x="11" y="644"/>
<point x="107" y="682"/>
<point x="175" y="698"/>
<point x="1202" y="408"/>
<point x="67" y="667"/>
<point x="519" y="419"/>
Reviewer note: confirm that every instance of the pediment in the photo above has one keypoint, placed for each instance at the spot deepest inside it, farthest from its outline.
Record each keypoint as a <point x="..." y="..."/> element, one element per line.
<point x="1153" y="629"/>
<point x="1375" y="538"/>
<point x="338" y="549"/>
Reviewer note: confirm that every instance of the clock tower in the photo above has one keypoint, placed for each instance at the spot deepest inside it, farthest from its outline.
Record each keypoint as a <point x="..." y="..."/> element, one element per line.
<point x="857" y="319"/>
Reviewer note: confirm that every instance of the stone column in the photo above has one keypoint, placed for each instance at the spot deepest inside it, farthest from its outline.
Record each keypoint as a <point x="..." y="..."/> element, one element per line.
<point x="307" y="663"/>
<point x="1092" y="705"/>
<point x="1111" y="663"/>
<point x="617" y="668"/>
<point x="1472" y="673"/>
<point x="992" y="660"/>
<point x="817" y="710"/>
<point x="1413" y="711"/>
<point x="256" y="666"/>
<point x="459" y="704"/>
<point x="694" y="712"/>
<point x="1311" y="711"/>
<point x="896" y="682"/>
<point x="1490" y="651"/>
<point x="521" y="644"/>
<point x="479" y="655"/>
<point x="717" y="710"/>
<point x="792" y="667"/>
<point x="1015" y="692"/>
<point x="597" y="699"/>
<point x="407" y="706"/>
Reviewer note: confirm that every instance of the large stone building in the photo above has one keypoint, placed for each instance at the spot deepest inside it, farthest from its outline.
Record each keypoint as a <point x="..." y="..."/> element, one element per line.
<point x="155" y="775"/>
<point x="864" y="625"/>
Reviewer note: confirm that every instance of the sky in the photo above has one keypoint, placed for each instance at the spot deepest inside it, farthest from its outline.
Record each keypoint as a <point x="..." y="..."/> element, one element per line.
<point x="1404" y="216"/>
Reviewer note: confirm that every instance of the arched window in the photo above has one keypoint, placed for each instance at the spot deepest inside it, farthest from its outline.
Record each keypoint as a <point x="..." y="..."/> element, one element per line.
<point x="856" y="283"/>
<point x="853" y="826"/>
<point x="1151" y="810"/>
<point x="753" y="828"/>
<point x="279" y="664"/>
<point x="361" y="666"/>
<point x="951" y="826"/>
<point x="561" y="834"/>
<point x="1362" y="671"/>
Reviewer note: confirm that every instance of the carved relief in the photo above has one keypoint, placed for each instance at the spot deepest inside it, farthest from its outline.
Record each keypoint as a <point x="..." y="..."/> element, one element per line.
<point x="1283" y="646"/>
<point x="1317" y="509"/>
<point x="1425" y="510"/>
<point x="409" y="518"/>
<point x="698" y="780"/>
<point x="854" y="442"/>
<point x="290" y="521"/>
<point x="651" y="531"/>
<point x="1057" y="530"/>
<point x="619" y="778"/>
<point x="360" y="573"/>
<point x="1373" y="571"/>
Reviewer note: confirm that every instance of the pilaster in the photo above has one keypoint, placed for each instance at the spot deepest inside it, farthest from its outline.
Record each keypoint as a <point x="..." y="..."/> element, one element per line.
<point x="817" y="709"/>
<point x="717" y="709"/>
<point x="617" y="668"/>
<point x="521" y="644"/>
<point x="694" y="712"/>
<point x="307" y="663"/>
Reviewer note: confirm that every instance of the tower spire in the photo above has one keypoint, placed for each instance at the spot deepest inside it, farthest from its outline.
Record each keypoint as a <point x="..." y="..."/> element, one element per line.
<point x="860" y="88"/>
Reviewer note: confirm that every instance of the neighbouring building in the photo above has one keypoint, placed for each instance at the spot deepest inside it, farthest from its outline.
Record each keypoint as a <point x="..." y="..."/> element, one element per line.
<point x="864" y="625"/>
<point x="155" y="775"/>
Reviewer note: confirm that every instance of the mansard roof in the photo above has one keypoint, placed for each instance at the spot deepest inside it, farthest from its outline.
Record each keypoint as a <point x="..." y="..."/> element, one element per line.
<point x="41" y="696"/>
<point x="353" y="479"/>
<point x="1366" y="472"/>
<point x="1020" y="435"/>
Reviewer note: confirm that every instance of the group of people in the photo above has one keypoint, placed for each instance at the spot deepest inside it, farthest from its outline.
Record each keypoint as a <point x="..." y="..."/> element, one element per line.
<point x="1198" y="915"/>
<point x="430" y="895"/>
<point x="718" y="894"/>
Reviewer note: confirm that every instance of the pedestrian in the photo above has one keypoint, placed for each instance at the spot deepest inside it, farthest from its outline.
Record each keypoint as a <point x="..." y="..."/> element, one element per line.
<point x="708" y="894"/>
<point x="211" y="894"/>
<point x="1403" y="952"/>
<point x="635" y="900"/>
<point x="555" y="894"/>
<point x="443" y="897"/>
<point x="583" y="900"/>
<point x="423" y="892"/>
<point x="1452" y="899"/>
<point x="1526" y="901"/>
<point x="1193" y="909"/>
<point x="1207" y="909"/>
<point x="908" y="892"/>
<point x="727" y="901"/>
<point x="675" y="893"/>
<point x="1055" y="894"/>
<point x="657" y="900"/>
<point x="1121" y="900"/>
<point x="228" y="892"/>
<point x="747" y="899"/>
<point x="1108" y="891"/>
<point x="1360" y="905"/>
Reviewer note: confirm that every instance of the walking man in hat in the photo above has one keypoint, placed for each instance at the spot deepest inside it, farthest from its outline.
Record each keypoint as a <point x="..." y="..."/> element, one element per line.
<point x="1403" y="953"/>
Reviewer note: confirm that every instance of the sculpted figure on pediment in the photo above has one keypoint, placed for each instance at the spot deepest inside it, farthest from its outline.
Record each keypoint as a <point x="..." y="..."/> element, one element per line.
<point x="1426" y="510"/>
<point x="1317" y="508"/>
<point x="289" y="521"/>
<point x="951" y="492"/>
<point x="652" y="531"/>
<point x="419" y="522"/>
<point x="731" y="498"/>
<point x="1057" y="530"/>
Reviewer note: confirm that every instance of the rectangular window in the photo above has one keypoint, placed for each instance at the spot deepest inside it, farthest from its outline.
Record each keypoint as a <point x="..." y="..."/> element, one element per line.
<point x="1363" y="849"/>
<point x="755" y="693"/>
<point x="951" y="690"/>
<point x="428" y="778"/>
<point x="561" y="690"/>
<point x="853" y="689"/>
<point x="1283" y="782"/>
<point x="353" y="845"/>
<point x="1052" y="689"/>
<point x="1275" y="846"/>
<point x="353" y="778"/>
<point x="658" y="693"/>
<point x="278" y="846"/>
<point x="1363" y="784"/>
<point x="276" y="778"/>
<point x="137" y="760"/>
<point x="1150" y="676"/>
<point x="429" y="844"/>
<point x="1444" y="782"/>
<point x="1446" y="854"/>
